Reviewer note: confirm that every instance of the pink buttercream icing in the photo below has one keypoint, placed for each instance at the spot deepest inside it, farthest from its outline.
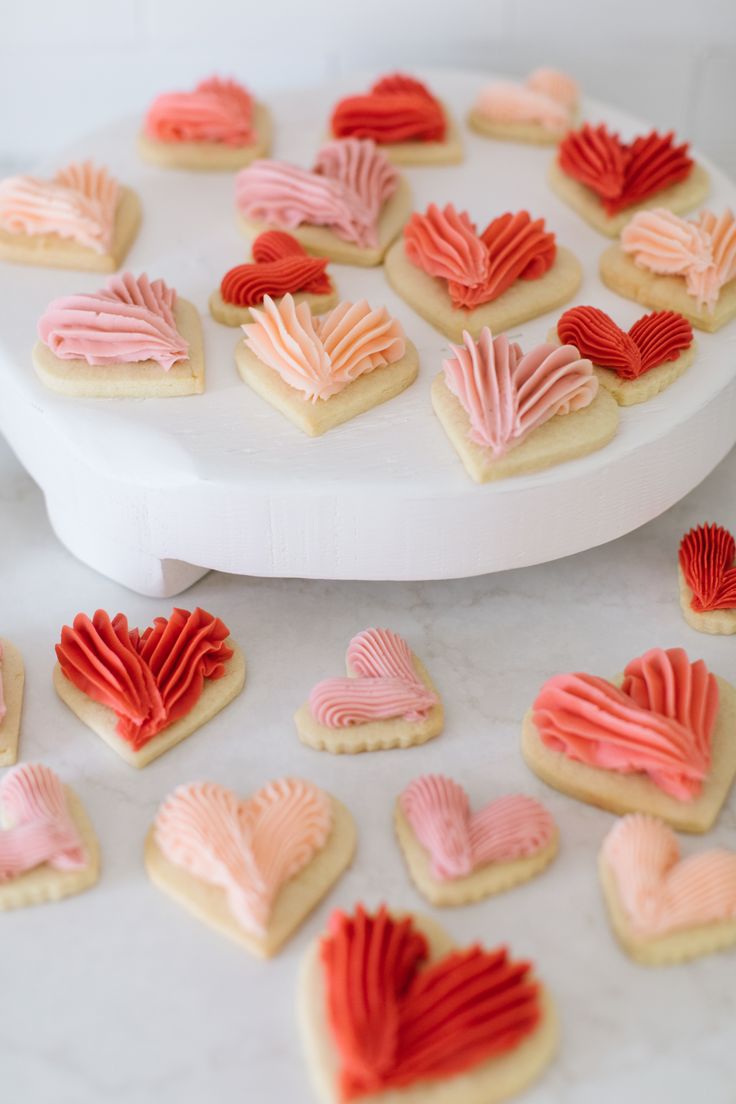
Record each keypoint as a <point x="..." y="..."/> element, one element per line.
<point x="216" y="111"/>
<point x="38" y="827"/>
<point x="129" y="320"/>
<point x="547" y="97"/>
<point x="458" y="841"/>
<point x="507" y="394"/>
<point x="79" y="203"/>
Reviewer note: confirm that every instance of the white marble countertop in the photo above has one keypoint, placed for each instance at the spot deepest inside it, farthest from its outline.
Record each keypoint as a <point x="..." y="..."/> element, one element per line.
<point x="119" y="996"/>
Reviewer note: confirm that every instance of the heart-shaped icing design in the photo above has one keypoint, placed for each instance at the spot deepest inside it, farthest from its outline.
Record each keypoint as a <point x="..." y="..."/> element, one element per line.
<point x="660" y="891"/>
<point x="546" y="97"/>
<point x="150" y="679"/>
<point x="459" y="841"/>
<point x="38" y="825"/>
<point x="79" y="202"/>
<point x="706" y="557"/>
<point x="653" y="339"/>
<point x="620" y="173"/>
<point x="397" y="108"/>
<point x="280" y="264"/>
<point x="215" y="111"/>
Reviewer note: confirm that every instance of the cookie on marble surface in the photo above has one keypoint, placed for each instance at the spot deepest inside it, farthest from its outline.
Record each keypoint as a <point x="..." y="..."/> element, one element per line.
<point x="706" y="574"/>
<point x="539" y="109"/>
<point x="12" y="678"/>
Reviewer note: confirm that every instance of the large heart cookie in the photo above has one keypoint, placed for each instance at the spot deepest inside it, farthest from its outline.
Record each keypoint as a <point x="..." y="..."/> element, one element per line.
<point x="707" y="576"/>
<point x="48" y="848"/>
<point x="143" y="693"/>
<point x="663" y="908"/>
<point x="387" y="700"/>
<point x="426" y="1023"/>
<point x="659" y="740"/>
<point x="12" y="677"/>
<point x="539" y="109"/>
<point x="252" y="868"/>
<point x="456" y="856"/>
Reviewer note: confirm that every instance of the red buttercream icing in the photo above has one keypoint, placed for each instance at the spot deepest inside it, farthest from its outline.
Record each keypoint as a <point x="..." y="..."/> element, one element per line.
<point x="280" y="265"/>
<point x="623" y="174"/>
<point x="396" y="109"/>
<point x="707" y="556"/>
<point x="654" y="339"/>
<point x="151" y="679"/>
<point x="396" y="1021"/>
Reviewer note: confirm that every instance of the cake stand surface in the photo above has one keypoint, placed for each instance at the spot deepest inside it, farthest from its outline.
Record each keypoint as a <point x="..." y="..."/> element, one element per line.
<point x="153" y="493"/>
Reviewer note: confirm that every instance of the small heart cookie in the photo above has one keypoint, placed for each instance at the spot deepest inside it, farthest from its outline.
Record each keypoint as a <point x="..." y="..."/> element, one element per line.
<point x="707" y="576"/>
<point x="428" y="1022"/>
<point x="387" y="700"/>
<point x="665" y="909"/>
<point x="659" y="740"/>
<point x="456" y="856"/>
<point x="48" y="848"/>
<point x="539" y="110"/>
<point x="252" y="868"/>
<point x="12" y="678"/>
<point x="143" y="693"/>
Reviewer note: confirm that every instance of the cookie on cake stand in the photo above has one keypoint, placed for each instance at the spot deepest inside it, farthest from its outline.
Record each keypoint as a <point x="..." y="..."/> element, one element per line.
<point x="539" y="109"/>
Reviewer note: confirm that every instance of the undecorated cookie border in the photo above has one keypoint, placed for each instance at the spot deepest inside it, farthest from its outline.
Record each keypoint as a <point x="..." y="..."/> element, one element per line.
<point x="12" y="673"/>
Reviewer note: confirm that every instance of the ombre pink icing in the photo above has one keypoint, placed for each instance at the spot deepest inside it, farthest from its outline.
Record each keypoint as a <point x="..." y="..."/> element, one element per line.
<point x="129" y="320"/>
<point x="216" y="111"/>
<point x="247" y="847"/>
<point x="79" y="203"/>
<point x="547" y="97"/>
<point x="346" y="190"/>
<point x="385" y="684"/>
<point x="660" y="891"/>
<point x="321" y="356"/>
<point x="659" y="723"/>
<point x="507" y="394"/>
<point x="458" y="841"/>
<point x="37" y="825"/>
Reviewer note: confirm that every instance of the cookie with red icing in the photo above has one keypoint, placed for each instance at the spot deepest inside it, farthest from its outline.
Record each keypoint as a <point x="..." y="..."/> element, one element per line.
<point x="12" y="678"/>
<point x="707" y="577"/>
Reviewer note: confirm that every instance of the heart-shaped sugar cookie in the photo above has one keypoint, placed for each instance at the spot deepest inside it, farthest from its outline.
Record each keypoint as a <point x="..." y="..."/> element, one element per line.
<point x="145" y="692"/>
<point x="456" y="856"/>
<point x="12" y="678"/>
<point x="429" y="1021"/>
<point x="665" y="908"/>
<point x="707" y="575"/>
<point x="253" y="868"/>
<point x="387" y="701"/>
<point x="539" y="109"/>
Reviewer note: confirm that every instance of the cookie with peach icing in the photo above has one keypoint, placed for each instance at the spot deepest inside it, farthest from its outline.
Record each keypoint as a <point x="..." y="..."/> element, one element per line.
<point x="216" y="126"/>
<point x="280" y="265"/>
<point x="391" y="1009"/>
<point x="252" y="868"/>
<point x="349" y="207"/>
<point x="456" y="856"/>
<point x="12" y="678"/>
<point x="707" y="576"/>
<point x="460" y="280"/>
<point x="321" y="372"/>
<point x="539" y="109"/>
<point x="657" y="740"/>
<point x="48" y="847"/>
<point x="387" y="700"/>
<point x="671" y="263"/>
<point x="145" y="692"/>
<point x="403" y="117"/>
<point x="507" y="412"/>
<point x="664" y="908"/>
<point x="134" y="338"/>
<point x="82" y="218"/>
<point x="636" y="364"/>
<point x="608" y="181"/>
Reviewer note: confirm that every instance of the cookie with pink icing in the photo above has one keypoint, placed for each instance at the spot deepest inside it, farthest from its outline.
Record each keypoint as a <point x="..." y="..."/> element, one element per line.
<point x="217" y="125"/>
<point x="48" y="847"/>
<point x="456" y="855"/>
<point x="12" y="678"/>
<point x="81" y="218"/>
<point x="386" y="700"/>
<point x="132" y="338"/>
<point x="539" y="109"/>
<point x="320" y="371"/>
<point x="251" y="867"/>
<point x="665" y="908"/>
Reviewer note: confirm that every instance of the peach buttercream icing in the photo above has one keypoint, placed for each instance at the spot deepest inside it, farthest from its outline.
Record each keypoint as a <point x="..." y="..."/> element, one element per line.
<point x="216" y="110"/>
<point x="547" y="97"/>
<point x="78" y="203"/>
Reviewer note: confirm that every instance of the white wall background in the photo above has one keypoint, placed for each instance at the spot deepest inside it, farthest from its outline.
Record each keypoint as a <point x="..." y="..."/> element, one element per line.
<point x="68" y="65"/>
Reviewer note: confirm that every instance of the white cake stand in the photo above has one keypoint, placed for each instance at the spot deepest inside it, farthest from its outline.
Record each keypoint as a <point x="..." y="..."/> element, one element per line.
<point x="153" y="493"/>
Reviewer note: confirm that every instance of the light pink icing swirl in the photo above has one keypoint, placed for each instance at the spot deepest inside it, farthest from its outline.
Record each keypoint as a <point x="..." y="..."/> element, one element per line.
<point x="129" y="320"/>
<point x="3" y="707"/>
<point x="38" y="827"/>
<point x="216" y="111"/>
<point x="660" y="891"/>
<point x="248" y="848"/>
<point x="385" y="684"/>
<point x="547" y="97"/>
<point x="363" y="171"/>
<point x="507" y="394"/>
<point x="321" y="356"/>
<point x="79" y="203"/>
<point x="458" y="841"/>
